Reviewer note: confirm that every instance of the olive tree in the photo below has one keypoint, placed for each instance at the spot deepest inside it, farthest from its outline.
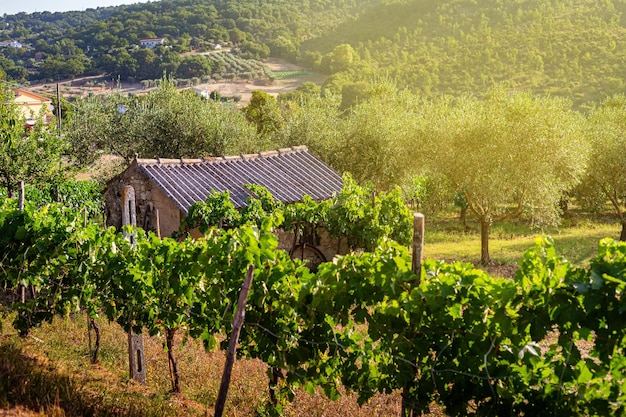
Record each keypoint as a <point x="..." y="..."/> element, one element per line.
<point x="509" y="155"/>
<point x="378" y="132"/>
<point x="315" y="122"/>
<point x="26" y="154"/>
<point x="164" y="123"/>
<point x="605" y="178"/>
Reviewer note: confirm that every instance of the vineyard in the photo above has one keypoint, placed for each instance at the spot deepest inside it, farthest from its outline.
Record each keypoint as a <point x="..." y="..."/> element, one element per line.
<point x="547" y="342"/>
<point x="229" y="65"/>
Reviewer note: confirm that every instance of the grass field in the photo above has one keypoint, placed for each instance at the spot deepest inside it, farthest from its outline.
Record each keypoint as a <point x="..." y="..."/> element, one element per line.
<point x="281" y="75"/>
<point x="576" y="239"/>
<point x="48" y="373"/>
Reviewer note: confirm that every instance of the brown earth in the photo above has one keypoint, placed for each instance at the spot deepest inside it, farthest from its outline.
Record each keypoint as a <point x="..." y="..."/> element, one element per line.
<point x="244" y="89"/>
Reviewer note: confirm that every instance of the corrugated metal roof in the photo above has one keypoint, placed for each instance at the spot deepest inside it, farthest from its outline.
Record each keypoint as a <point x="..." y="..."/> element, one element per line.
<point x="288" y="174"/>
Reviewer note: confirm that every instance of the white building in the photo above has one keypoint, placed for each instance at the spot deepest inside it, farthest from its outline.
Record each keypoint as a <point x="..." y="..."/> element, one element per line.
<point x="152" y="42"/>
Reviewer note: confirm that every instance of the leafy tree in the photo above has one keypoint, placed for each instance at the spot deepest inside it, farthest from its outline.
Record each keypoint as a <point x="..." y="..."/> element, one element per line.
<point x="342" y="58"/>
<point x="379" y="133"/>
<point x="194" y="66"/>
<point x="147" y="63"/>
<point x="605" y="178"/>
<point x="29" y="155"/>
<point x="509" y="155"/>
<point x="164" y="123"/>
<point x="315" y="122"/>
<point x="254" y="50"/>
<point x="353" y="94"/>
<point x="264" y="112"/>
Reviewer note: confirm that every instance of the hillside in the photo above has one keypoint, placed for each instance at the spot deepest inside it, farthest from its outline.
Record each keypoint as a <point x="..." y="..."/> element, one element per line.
<point x="561" y="47"/>
<point x="66" y="45"/>
<point x="564" y="48"/>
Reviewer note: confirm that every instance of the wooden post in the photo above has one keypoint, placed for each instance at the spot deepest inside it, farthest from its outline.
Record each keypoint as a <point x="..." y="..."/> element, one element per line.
<point x="21" y="196"/>
<point x="158" y="224"/>
<point x="136" y="361"/>
<point x="129" y="213"/>
<point x="418" y="249"/>
<point x="20" y="206"/>
<point x="136" y="357"/>
<point x="232" y="343"/>
<point x="89" y="335"/>
<point x="58" y="109"/>
<point x="418" y="244"/>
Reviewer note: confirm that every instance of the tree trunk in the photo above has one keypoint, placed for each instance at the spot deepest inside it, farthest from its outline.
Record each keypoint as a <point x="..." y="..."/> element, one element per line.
<point x="407" y="409"/>
<point x="96" y="350"/>
<point x="169" y="340"/>
<point x="484" y="242"/>
<point x="622" y="235"/>
<point x="463" y="217"/>
<point x="274" y="379"/>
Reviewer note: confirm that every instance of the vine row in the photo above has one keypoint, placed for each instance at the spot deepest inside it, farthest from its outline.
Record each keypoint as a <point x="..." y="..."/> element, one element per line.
<point x="547" y="342"/>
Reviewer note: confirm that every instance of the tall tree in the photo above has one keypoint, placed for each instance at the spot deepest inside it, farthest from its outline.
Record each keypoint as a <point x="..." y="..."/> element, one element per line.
<point x="509" y="155"/>
<point x="379" y="132"/>
<point x="26" y="154"/>
<point x="606" y="175"/>
<point x="264" y="112"/>
<point x="312" y="121"/>
<point x="164" y="123"/>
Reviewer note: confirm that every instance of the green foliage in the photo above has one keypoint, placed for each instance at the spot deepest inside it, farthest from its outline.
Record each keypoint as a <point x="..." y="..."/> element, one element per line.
<point x="29" y="155"/>
<point x="74" y="195"/>
<point x="605" y="178"/>
<point x="263" y="112"/>
<point x="514" y="155"/>
<point x="363" y="217"/>
<point x="216" y="211"/>
<point x="544" y="343"/>
<point x="164" y="123"/>
<point x="455" y="47"/>
<point x="107" y="39"/>
<point x="357" y="214"/>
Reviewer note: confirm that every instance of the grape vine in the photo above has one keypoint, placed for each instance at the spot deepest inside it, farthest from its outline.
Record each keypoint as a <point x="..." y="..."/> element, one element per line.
<point x="547" y="342"/>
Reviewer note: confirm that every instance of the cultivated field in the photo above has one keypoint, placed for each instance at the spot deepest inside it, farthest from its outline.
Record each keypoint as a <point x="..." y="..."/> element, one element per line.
<point x="83" y="86"/>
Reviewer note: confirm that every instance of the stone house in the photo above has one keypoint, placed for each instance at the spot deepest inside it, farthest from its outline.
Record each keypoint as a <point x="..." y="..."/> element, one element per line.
<point x="170" y="186"/>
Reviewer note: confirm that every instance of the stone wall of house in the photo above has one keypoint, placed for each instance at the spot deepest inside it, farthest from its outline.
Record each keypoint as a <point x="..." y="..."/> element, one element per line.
<point x="321" y="241"/>
<point x="148" y="199"/>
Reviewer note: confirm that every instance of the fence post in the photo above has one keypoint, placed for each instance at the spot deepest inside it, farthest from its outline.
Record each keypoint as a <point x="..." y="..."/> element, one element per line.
<point x="21" y="196"/>
<point x="136" y="355"/>
<point x="20" y="206"/>
<point x="416" y="267"/>
<point x="418" y="244"/>
<point x="232" y="342"/>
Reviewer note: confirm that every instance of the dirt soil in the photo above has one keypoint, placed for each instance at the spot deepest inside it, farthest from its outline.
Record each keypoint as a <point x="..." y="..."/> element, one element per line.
<point x="78" y="88"/>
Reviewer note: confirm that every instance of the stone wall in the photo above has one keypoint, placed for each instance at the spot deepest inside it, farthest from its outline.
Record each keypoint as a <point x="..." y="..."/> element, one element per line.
<point x="148" y="198"/>
<point x="307" y="245"/>
<point x="315" y="245"/>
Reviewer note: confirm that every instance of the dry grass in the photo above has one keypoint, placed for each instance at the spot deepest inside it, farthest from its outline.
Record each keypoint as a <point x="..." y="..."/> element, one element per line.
<point x="50" y="374"/>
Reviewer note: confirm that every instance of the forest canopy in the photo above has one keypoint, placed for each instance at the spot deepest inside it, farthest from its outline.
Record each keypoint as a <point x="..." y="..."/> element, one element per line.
<point x="563" y="48"/>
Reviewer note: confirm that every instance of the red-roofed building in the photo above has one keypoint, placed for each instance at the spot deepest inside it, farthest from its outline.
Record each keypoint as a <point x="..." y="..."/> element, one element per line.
<point x="31" y="105"/>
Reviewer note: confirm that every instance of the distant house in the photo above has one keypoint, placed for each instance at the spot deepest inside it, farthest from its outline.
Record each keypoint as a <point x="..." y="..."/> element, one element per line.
<point x="14" y="44"/>
<point x="171" y="186"/>
<point x="151" y="42"/>
<point x="31" y="104"/>
<point x="201" y="92"/>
